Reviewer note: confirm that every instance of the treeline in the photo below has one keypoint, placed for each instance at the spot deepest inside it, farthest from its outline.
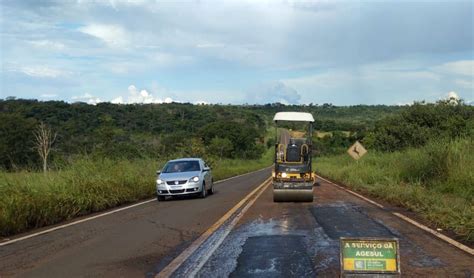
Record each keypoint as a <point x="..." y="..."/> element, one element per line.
<point x="411" y="126"/>
<point x="421" y="123"/>
<point x="213" y="131"/>
<point x="128" y="131"/>
<point x="158" y="130"/>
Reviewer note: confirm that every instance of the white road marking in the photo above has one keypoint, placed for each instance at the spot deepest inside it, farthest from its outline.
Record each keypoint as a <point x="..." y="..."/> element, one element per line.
<point x="10" y="241"/>
<point x="226" y="232"/>
<point x="409" y="220"/>
<point x="181" y="258"/>
<point x="74" y="223"/>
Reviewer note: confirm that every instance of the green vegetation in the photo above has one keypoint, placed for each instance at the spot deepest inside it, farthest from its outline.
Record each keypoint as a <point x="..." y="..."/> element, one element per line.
<point x="421" y="159"/>
<point x="30" y="200"/>
<point x="420" y="156"/>
<point x="158" y="131"/>
<point x="435" y="181"/>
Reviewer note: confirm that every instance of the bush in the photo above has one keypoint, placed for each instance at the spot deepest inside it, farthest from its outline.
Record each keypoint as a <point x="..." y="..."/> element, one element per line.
<point x="435" y="180"/>
<point x="421" y="123"/>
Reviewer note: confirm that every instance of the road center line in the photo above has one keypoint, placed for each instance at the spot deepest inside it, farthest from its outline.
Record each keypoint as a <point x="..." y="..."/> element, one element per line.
<point x="10" y="241"/>
<point x="409" y="220"/>
<point x="181" y="258"/>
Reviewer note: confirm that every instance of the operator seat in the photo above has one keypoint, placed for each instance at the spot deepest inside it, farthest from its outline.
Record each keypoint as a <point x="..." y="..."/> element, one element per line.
<point x="293" y="152"/>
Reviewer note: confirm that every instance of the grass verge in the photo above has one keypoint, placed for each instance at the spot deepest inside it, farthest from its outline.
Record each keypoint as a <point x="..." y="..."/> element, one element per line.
<point x="435" y="181"/>
<point x="31" y="200"/>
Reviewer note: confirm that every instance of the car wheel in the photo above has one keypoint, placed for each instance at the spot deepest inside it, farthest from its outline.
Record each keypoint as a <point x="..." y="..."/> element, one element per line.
<point x="203" y="191"/>
<point x="160" y="198"/>
<point x="211" y="190"/>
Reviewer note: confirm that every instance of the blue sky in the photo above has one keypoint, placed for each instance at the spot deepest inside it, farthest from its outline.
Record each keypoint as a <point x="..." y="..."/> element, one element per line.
<point x="340" y="52"/>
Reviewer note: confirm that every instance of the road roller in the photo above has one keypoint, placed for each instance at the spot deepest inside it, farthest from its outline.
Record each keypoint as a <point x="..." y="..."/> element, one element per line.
<point x="293" y="178"/>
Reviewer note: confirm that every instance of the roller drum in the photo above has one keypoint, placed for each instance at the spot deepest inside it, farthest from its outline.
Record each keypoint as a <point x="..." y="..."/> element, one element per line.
<point x="292" y="195"/>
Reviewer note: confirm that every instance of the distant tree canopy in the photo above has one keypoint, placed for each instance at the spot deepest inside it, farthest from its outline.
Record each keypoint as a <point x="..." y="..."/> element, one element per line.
<point x="221" y="131"/>
<point x="128" y="131"/>
<point x="421" y="123"/>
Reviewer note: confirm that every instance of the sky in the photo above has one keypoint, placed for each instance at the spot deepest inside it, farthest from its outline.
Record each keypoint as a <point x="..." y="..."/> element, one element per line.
<point x="237" y="52"/>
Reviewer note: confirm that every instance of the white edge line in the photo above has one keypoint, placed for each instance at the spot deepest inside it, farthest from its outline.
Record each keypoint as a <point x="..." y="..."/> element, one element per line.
<point x="227" y="230"/>
<point x="411" y="221"/>
<point x="184" y="255"/>
<point x="354" y="193"/>
<point x="7" y="242"/>
<point x="74" y="223"/>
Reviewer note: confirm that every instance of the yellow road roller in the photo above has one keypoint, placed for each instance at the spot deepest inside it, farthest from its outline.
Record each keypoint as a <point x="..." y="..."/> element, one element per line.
<point x="293" y="178"/>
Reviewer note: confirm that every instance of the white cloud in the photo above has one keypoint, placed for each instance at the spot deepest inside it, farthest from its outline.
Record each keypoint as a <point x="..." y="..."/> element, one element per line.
<point x="47" y="44"/>
<point x="210" y="45"/>
<point x="87" y="98"/>
<point x="117" y="100"/>
<point x="463" y="67"/>
<point x="40" y="71"/>
<point x="222" y="47"/>
<point x="48" y="95"/>
<point x="465" y="83"/>
<point x="453" y="95"/>
<point x="271" y="92"/>
<point x="166" y="59"/>
<point x="112" y="35"/>
<point x="140" y="96"/>
<point x="370" y="84"/>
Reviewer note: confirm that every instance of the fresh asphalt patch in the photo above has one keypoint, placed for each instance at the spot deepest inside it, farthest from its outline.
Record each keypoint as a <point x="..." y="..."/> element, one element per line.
<point x="273" y="248"/>
<point x="348" y="221"/>
<point x="274" y="256"/>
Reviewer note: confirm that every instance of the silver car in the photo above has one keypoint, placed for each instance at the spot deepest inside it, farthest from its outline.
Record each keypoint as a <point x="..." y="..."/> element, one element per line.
<point x="184" y="176"/>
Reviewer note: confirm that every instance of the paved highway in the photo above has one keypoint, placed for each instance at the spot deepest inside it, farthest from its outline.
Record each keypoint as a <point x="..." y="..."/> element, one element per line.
<point x="260" y="239"/>
<point x="302" y="239"/>
<point x="131" y="243"/>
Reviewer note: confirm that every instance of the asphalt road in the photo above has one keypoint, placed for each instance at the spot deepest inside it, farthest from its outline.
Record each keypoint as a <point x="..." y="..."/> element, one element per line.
<point x="132" y="243"/>
<point x="302" y="239"/>
<point x="268" y="240"/>
<point x="284" y="136"/>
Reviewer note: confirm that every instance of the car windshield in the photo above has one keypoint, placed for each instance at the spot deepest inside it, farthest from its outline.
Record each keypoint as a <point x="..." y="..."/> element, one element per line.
<point x="181" y="166"/>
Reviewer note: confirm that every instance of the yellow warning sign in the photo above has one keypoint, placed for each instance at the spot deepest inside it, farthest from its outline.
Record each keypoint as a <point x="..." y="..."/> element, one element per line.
<point x="356" y="151"/>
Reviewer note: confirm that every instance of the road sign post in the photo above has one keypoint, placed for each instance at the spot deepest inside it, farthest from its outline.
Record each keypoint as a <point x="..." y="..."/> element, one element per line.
<point x="369" y="256"/>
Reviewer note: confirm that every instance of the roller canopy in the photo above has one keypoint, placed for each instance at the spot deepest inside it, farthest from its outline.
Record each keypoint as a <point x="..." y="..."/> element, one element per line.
<point x="293" y="117"/>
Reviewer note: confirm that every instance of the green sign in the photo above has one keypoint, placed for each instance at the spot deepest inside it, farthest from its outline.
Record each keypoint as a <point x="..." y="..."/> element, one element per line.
<point x="370" y="255"/>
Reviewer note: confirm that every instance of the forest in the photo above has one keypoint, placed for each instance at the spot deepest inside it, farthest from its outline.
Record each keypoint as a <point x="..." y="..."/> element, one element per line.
<point x="162" y="130"/>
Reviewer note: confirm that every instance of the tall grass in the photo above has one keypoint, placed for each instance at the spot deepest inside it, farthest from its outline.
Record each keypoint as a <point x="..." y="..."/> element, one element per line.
<point x="436" y="181"/>
<point x="30" y="200"/>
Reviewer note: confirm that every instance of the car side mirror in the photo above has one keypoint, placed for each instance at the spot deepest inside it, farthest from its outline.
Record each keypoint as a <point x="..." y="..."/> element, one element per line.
<point x="206" y="169"/>
<point x="158" y="172"/>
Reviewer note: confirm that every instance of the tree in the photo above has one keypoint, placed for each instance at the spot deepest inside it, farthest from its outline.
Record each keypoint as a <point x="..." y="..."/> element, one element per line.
<point x="221" y="147"/>
<point x="16" y="141"/>
<point x="44" y="140"/>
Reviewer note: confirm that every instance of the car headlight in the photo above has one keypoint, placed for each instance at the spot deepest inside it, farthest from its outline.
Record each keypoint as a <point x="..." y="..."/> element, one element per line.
<point x="158" y="181"/>
<point x="194" y="179"/>
<point x="284" y="175"/>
